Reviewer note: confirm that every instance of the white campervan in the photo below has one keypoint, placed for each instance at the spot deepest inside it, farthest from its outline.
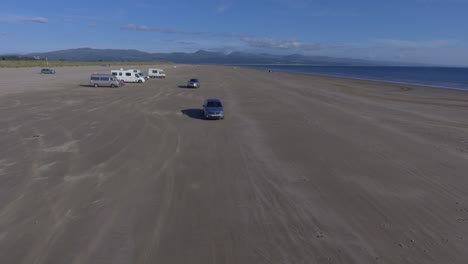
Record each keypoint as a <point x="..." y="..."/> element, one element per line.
<point x="128" y="75"/>
<point x="139" y="73"/>
<point x="134" y="70"/>
<point x="156" y="73"/>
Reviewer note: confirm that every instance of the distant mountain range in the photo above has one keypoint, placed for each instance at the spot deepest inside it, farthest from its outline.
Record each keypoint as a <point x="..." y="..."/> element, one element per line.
<point x="205" y="57"/>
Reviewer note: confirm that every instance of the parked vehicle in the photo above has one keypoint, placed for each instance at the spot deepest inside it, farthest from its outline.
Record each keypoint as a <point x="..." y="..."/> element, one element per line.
<point x="128" y="75"/>
<point x="156" y="73"/>
<point x="193" y="83"/>
<point x="213" y="109"/>
<point x="97" y="80"/>
<point x="144" y="76"/>
<point x="139" y="73"/>
<point x="47" y="71"/>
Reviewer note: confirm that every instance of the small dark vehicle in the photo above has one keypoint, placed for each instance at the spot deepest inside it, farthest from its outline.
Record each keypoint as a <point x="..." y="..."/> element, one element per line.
<point x="47" y="71"/>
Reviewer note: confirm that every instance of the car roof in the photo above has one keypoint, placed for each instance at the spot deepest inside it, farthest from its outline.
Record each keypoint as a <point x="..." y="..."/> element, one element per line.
<point x="194" y="79"/>
<point x="212" y="100"/>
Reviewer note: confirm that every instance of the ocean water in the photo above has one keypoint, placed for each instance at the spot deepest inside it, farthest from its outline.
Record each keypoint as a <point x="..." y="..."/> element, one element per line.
<point x="441" y="77"/>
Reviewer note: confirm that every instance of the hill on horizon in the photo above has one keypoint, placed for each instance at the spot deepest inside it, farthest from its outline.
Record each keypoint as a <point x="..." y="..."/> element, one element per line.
<point x="205" y="57"/>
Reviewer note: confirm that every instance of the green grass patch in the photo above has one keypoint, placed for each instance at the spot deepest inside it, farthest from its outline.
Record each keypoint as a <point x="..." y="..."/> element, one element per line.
<point x="51" y="64"/>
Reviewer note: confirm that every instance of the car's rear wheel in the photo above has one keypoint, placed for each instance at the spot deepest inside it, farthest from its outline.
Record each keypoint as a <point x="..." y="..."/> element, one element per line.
<point x="112" y="85"/>
<point x="96" y="85"/>
<point x="139" y="81"/>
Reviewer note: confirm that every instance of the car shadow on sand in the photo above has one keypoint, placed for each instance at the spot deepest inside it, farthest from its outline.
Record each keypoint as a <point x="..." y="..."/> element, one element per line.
<point x="99" y="87"/>
<point x="90" y="86"/>
<point x="194" y="113"/>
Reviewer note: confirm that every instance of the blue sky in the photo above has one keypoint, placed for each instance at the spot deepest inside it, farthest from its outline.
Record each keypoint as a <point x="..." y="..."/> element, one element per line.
<point x="427" y="31"/>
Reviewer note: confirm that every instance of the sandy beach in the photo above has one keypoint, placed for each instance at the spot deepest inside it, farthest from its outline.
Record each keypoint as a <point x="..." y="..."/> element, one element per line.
<point x="304" y="169"/>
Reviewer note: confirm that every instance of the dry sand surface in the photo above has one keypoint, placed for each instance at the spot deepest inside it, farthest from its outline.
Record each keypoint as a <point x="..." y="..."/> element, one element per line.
<point x="304" y="169"/>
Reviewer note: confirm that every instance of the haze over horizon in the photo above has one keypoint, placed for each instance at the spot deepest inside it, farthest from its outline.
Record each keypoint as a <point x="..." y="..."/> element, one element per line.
<point x="414" y="31"/>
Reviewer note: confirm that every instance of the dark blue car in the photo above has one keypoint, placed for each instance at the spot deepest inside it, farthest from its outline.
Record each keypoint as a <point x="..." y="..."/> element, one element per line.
<point x="213" y="109"/>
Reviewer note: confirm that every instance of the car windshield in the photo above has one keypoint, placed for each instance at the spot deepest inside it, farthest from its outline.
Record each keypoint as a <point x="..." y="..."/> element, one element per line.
<point x="193" y="80"/>
<point x="214" y="104"/>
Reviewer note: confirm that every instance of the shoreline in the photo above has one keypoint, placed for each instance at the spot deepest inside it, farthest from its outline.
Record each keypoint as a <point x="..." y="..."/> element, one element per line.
<point x="359" y="78"/>
<point x="265" y="68"/>
<point x="66" y="73"/>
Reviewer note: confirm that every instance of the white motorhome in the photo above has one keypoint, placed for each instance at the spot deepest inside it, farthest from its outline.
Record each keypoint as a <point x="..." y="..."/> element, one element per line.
<point x="156" y="73"/>
<point x="134" y="70"/>
<point x="128" y="75"/>
<point x="139" y="72"/>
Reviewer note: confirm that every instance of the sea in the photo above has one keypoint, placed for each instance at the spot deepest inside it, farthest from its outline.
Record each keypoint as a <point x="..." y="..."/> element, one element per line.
<point x="439" y="77"/>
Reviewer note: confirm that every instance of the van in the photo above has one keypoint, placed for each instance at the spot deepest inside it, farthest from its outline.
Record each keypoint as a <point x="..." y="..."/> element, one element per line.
<point x="156" y="73"/>
<point x="97" y="80"/>
<point x="128" y="75"/>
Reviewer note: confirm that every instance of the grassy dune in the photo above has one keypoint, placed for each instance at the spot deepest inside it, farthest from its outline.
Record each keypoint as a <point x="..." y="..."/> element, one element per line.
<point x="41" y="63"/>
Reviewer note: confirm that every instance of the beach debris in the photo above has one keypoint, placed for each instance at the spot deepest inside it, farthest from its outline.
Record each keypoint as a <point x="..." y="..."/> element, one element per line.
<point x="320" y="235"/>
<point x="404" y="88"/>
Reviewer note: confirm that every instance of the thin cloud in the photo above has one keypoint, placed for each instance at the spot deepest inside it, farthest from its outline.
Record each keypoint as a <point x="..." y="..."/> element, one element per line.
<point x="295" y="3"/>
<point x="135" y="27"/>
<point x="415" y="44"/>
<point x="23" y="19"/>
<point x="223" y="6"/>
<point x="283" y="44"/>
<point x="158" y="6"/>
<point x="442" y="1"/>
<point x="6" y="34"/>
<point x="79" y="19"/>
<point x="272" y="43"/>
<point x="316" y="10"/>
<point x="41" y="20"/>
<point x="232" y="35"/>
<point x="180" y="42"/>
<point x="187" y="43"/>
<point x="249" y="40"/>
